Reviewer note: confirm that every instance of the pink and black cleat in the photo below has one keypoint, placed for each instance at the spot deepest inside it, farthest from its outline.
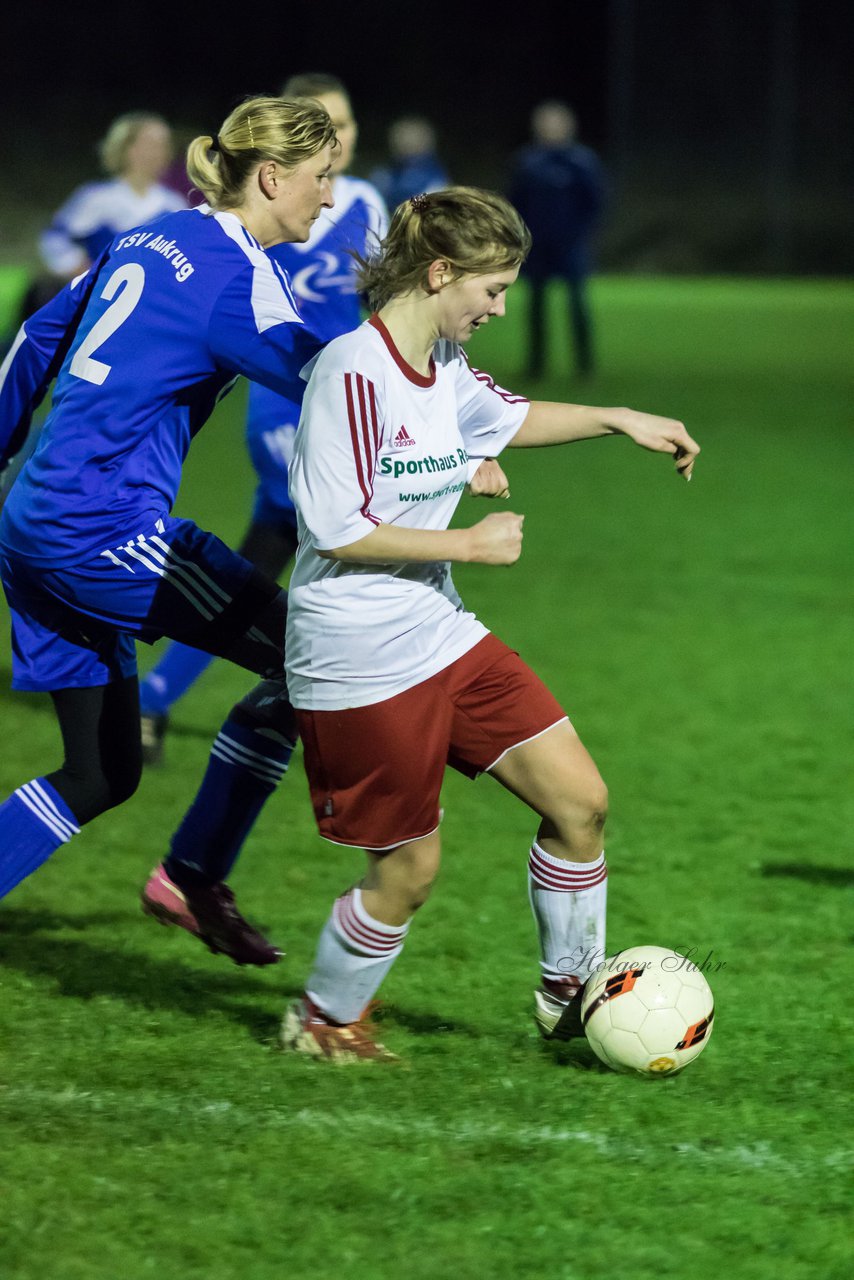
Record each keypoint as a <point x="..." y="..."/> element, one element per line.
<point x="211" y="915"/>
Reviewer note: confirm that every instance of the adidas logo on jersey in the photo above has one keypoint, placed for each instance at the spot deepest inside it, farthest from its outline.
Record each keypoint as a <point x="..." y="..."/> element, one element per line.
<point x="403" y="440"/>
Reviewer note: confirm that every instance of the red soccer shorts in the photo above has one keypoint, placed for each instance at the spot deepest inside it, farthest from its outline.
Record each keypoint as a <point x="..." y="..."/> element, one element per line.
<point x="375" y="772"/>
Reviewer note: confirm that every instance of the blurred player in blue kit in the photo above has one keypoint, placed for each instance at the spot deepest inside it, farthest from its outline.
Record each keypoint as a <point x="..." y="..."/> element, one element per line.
<point x="322" y="274"/>
<point x="142" y="346"/>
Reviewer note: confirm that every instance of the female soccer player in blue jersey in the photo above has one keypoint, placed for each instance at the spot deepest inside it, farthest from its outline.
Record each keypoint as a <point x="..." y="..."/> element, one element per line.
<point x="322" y="274"/>
<point x="142" y="347"/>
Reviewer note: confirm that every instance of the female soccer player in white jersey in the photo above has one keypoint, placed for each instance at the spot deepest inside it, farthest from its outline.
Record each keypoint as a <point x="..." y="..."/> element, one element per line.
<point x="143" y="345"/>
<point x="322" y="273"/>
<point x="135" y="154"/>
<point x="392" y="678"/>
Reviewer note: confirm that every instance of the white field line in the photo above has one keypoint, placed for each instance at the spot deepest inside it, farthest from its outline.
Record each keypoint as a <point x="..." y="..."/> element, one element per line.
<point x="758" y="1155"/>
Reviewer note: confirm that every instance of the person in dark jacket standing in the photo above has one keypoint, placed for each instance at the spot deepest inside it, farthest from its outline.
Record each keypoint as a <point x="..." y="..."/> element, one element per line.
<point x="558" y="187"/>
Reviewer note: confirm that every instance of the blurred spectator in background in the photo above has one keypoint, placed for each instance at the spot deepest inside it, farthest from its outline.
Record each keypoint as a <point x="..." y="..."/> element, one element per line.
<point x="136" y="152"/>
<point x="558" y="187"/>
<point x="414" y="166"/>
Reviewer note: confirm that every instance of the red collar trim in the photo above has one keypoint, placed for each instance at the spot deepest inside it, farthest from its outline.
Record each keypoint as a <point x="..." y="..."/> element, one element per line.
<point x="419" y="379"/>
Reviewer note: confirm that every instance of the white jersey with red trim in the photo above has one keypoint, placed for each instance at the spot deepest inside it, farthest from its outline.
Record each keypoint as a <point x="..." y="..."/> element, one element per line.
<point x="380" y="443"/>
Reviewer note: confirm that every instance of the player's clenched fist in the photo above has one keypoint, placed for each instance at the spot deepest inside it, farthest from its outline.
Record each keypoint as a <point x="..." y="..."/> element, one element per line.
<point x="497" y="539"/>
<point x="489" y="481"/>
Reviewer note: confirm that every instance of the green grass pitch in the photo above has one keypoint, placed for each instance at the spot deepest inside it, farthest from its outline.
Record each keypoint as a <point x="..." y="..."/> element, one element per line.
<point x="699" y="636"/>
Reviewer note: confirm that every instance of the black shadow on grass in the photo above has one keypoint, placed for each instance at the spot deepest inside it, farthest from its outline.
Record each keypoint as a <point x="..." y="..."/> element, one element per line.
<point x="575" y="1054"/>
<point x="82" y="970"/>
<point x="840" y="877"/>
<point x="21" y="921"/>
<point x="422" y="1023"/>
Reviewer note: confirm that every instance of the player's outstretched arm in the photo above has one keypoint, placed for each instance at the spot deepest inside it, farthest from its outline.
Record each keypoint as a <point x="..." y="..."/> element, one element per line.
<point x="549" y="423"/>
<point x="497" y="539"/>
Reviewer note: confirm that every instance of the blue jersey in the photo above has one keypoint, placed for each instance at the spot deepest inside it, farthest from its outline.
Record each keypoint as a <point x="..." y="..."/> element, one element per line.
<point x="322" y="270"/>
<point x="322" y="273"/>
<point x="148" y="341"/>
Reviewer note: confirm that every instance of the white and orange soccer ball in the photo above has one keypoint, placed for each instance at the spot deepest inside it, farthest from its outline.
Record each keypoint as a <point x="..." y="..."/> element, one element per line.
<point x="649" y="1010"/>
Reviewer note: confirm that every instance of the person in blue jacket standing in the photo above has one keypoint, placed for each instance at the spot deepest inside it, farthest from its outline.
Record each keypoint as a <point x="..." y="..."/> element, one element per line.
<point x="558" y="186"/>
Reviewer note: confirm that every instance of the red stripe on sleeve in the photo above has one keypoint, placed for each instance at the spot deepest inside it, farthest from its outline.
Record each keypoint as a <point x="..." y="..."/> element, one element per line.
<point x="374" y="417"/>
<point x="354" y="437"/>
<point x="364" y="465"/>
<point x="499" y="391"/>
<point x="370" y="451"/>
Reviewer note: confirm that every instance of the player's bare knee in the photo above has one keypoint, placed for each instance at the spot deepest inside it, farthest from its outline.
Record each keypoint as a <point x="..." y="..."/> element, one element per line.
<point x="419" y="893"/>
<point x="591" y="801"/>
<point x="598" y="808"/>
<point x="579" y="815"/>
<point x="596" y="819"/>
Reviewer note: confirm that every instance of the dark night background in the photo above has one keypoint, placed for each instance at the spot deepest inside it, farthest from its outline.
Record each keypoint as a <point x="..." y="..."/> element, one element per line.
<point x="726" y="125"/>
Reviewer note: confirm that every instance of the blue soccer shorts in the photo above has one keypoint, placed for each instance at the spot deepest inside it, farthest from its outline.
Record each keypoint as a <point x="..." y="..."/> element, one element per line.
<point x="75" y="627"/>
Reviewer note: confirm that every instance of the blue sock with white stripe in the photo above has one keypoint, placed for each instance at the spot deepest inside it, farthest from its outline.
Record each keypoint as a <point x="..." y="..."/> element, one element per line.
<point x="244" y="769"/>
<point x="34" y="822"/>
<point x="178" y="669"/>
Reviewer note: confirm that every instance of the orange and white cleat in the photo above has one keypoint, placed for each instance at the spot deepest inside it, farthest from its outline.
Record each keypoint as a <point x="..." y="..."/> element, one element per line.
<point x="305" y="1030"/>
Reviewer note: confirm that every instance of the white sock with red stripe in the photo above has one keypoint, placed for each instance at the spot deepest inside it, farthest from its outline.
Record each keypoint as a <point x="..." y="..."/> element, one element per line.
<point x="568" y="902"/>
<point x="354" y="954"/>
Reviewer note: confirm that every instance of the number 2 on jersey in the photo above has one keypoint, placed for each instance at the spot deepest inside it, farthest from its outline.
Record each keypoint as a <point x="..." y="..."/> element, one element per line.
<point x="132" y="276"/>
